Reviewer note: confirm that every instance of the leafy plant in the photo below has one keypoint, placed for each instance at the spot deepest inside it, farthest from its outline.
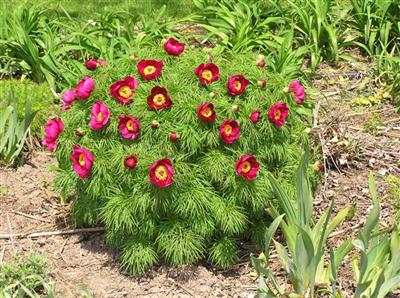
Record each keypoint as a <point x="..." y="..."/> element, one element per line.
<point x="239" y="25"/>
<point x="25" y="277"/>
<point x="208" y="207"/>
<point x="303" y="260"/>
<point x="13" y="132"/>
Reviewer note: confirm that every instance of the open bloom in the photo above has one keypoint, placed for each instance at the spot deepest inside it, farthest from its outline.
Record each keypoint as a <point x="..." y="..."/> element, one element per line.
<point x="229" y="131"/>
<point x="298" y="90"/>
<point x="124" y="90"/>
<point x="69" y="96"/>
<point x="255" y="116"/>
<point x="237" y="84"/>
<point x="150" y="69"/>
<point x="206" y="112"/>
<point x="82" y="161"/>
<point x="207" y="73"/>
<point x="128" y="127"/>
<point x="91" y="64"/>
<point x="247" y="167"/>
<point x="278" y="113"/>
<point x="162" y="173"/>
<point x="100" y="114"/>
<point x="159" y="98"/>
<point x="130" y="162"/>
<point x="84" y="88"/>
<point x="174" y="47"/>
<point x="54" y="127"/>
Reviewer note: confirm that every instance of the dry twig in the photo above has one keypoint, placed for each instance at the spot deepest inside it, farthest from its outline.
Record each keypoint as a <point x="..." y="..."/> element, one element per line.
<point x="53" y="233"/>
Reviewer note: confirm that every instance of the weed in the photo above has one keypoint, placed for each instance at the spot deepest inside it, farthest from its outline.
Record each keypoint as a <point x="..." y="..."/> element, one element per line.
<point x="372" y="124"/>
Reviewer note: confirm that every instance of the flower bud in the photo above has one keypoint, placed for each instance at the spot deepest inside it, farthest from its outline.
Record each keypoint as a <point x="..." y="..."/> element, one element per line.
<point x="79" y="132"/>
<point x="262" y="83"/>
<point x="319" y="166"/>
<point x="255" y="116"/>
<point x="130" y="162"/>
<point x="213" y="94"/>
<point x="173" y="136"/>
<point x="155" y="124"/>
<point x="235" y="108"/>
<point x="261" y="63"/>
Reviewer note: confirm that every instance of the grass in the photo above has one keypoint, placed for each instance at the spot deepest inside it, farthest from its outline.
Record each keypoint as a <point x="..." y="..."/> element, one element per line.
<point x="41" y="98"/>
<point x="25" y="277"/>
<point x="84" y="9"/>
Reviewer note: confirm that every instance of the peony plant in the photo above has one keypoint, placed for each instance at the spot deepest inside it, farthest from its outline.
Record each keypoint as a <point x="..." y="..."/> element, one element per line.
<point x="171" y="152"/>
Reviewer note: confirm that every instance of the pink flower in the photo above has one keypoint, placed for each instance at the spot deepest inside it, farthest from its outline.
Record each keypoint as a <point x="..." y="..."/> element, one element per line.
<point x="65" y="107"/>
<point x="84" y="88"/>
<point x="298" y="90"/>
<point x="100" y="114"/>
<point x="237" y="84"/>
<point x="247" y="167"/>
<point x="149" y="69"/>
<point x="128" y="127"/>
<point x="52" y="130"/>
<point x="278" y="113"/>
<point x="69" y="96"/>
<point x="207" y="73"/>
<point x="130" y="162"/>
<point x="162" y="173"/>
<point x="255" y="116"/>
<point x="174" y="47"/>
<point x="91" y="64"/>
<point x="124" y="90"/>
<point x="82" y="161"/>
<point x="261" y="63"/>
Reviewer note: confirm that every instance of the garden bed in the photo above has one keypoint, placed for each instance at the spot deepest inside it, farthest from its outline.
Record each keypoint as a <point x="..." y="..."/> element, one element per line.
<point x="82" y="262"/>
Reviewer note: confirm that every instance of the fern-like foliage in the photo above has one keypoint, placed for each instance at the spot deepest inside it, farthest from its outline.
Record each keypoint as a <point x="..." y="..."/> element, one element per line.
<point x="208" y="207"/>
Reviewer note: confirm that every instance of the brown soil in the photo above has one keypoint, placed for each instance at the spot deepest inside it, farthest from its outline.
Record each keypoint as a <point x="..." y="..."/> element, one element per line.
<point x="80" y="264"/>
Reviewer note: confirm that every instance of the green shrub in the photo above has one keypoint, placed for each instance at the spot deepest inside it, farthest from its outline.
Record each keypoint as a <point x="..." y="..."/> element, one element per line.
<point x="208" y="207"/>
<point x="39" y="95"/>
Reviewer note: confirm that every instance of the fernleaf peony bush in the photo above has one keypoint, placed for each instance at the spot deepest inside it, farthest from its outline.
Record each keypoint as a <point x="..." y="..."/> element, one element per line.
<point x="171" y="152"/>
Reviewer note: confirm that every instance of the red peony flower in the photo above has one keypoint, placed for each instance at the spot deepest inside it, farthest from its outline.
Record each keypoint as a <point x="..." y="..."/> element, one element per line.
<point x="159" y="98"/>
<point x="82" y="161"/>
<point x="278" y="113"/>
<point x="150" y="69"/>
<point x="298" y="90"/>
<point x="237" y="84"/>
<point x="130" y="162"/>
<point x="174" y="47"/>
<point x="162" y="173"/>
<point x="207" y="73"/>
<point x="229" y="131"/>
<point x="247" y="167"/>
<point x="255" y="116"/>
<point x="84" y="88"/>
<point x="206" y="112"/>
<point x="54" y="127"/>
<point x="91" y="64"/>
<point x="124" y="90"/>
<point x="128" y="127"/>
<point x="100" y="114"/>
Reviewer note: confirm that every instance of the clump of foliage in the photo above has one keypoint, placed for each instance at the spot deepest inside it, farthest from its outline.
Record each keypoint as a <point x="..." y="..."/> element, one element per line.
<point x="175" y="167"/>
<point x="25" y="277"/>
<point x="311" y="268"/>
<point x="13" y="132"/>
<point x="39" y="95"/>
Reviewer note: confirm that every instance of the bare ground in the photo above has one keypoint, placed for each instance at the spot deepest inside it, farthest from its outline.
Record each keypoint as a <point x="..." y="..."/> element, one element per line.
<point x="80" y="264"/>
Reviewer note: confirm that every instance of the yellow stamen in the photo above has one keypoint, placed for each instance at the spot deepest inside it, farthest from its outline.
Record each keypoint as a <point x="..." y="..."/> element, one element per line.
<point x="228" y="130"/>
<point x="278" y="114"/>
<point x="148" y="70"/>
<point x="237" y="85"/>
<point x="161" y="173"/>
<point x="100" y="117"/>
<point x="130" y="125"/>
<point x="81" y="159"/>
<point x="207" y="112"/>
<point x="246" y="167"/>
<point x="206" y="74"/>
<point x="125" y="92"/>
<point x="159" y="99"/>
